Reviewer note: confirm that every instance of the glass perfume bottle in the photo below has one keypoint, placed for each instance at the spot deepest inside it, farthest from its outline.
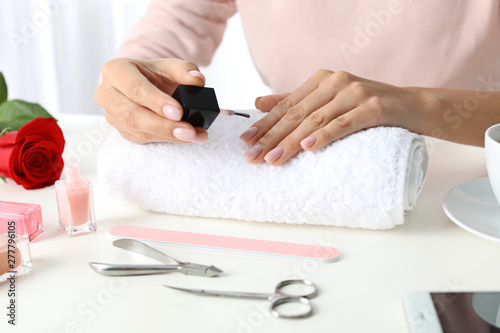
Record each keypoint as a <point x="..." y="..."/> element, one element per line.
<point x="15" y="257"/>
<point x="26" y="218"/>
<point x="75" y="202"/>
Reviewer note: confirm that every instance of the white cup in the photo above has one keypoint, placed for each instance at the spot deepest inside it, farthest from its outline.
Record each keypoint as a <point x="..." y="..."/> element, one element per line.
<point x="492" y="145"/>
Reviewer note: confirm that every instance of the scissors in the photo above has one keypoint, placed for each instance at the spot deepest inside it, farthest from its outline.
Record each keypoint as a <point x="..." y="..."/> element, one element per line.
<point x="277" y="298"/>
<point x="169" y="263"/>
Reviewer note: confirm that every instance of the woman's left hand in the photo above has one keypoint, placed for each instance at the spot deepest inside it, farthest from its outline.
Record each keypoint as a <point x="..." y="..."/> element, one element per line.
<point x="327" y="107"/>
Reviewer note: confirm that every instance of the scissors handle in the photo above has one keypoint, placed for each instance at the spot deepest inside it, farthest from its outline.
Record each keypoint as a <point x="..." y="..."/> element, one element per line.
<point x="275" y="307"/>
<point x="308" y="295"/>
<point x="282" y="297"/>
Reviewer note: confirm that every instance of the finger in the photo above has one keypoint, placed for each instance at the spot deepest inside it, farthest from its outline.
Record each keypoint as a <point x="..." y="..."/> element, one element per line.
<point x="147" y="125"/>
<point x="289" y="124"/>
<point x="266" y="103"/>
<point x="137" y="81"/>
<point x="132" y="138"/>
<point x="143" y="138"/>
<point x="350" y="122"/>
<point x="290" y="144"/>
<point x="261" y="127"/>
<point x="177" y="71"/>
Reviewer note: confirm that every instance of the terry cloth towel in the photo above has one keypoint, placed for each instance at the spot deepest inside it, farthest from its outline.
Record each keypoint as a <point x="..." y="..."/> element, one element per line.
<point x="366" y="180"/>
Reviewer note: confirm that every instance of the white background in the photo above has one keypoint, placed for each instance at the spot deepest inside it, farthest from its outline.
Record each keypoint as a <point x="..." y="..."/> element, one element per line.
<point x="51" y="52"/>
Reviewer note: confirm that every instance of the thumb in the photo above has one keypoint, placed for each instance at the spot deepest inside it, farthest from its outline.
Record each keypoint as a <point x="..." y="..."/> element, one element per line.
<point x="267" y="103"/>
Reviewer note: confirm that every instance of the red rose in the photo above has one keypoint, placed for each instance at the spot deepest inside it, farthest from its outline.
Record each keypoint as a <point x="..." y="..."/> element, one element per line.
<point x="32" y="155"/>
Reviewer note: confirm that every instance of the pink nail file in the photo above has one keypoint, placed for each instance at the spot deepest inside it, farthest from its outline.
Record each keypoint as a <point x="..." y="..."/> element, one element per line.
<point x="235" y="245"/>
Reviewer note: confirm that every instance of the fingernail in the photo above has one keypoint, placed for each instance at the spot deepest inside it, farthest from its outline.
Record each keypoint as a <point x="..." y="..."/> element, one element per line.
<point x="308" y="142"/>
<point x="274" y="155"/>
<point x="184" y="134"/>
<point x="200" y="138"/>
<point x="197" y="74"/>
<point x="172" y="113"/>
<point x="253" y="152"/>
<point x="249" y="133"/>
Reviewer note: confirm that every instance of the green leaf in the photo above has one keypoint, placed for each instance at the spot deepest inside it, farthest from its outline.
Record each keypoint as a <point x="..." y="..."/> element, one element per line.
<point x="14" y="114"/>
<point x="5" y="130"/>
<point x="3" y="89"/>
<point x="3" y="179"/>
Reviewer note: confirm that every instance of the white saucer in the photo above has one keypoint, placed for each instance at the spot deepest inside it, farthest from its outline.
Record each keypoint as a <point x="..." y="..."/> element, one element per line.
<point x="473" y="207"/>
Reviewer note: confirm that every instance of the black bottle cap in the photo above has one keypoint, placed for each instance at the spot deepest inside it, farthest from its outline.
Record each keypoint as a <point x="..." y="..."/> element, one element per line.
<point x="199" y="105"/>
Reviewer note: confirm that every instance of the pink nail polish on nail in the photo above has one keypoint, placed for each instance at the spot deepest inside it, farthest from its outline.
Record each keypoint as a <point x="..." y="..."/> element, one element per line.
<point x="274" y="155"/>
<point x="200" y="138"/>
<point x="184" y="134"/>
<point x="253" y="152"/>
<point x="172" y="113"/>
<point x="249" y="133"/>
<point x="197" y="74"/>
<point x="308" y="142"/>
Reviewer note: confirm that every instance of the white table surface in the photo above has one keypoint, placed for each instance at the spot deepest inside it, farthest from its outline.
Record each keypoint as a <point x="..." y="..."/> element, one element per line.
<point x="362" y="292"/>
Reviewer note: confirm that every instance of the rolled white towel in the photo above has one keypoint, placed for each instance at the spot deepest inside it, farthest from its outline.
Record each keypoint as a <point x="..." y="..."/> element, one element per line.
<point x="366" y="180"/>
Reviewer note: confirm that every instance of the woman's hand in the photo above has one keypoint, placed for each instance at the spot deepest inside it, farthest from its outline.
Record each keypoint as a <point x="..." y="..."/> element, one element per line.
<point x="327" y="107"/>
<point x="136" y="96"/>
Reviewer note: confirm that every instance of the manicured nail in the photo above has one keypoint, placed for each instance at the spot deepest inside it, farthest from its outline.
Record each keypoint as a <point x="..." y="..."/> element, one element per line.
<point x="197" y="74"/>
<point x="308" y="142"/>
<point x="200" y="137"/>
<point x="184" y="134"/>
<point x="172" y="113"/>
<point x="249" y="133"/>
<point x="274" y="155"/>
<point x="253" y="152"/>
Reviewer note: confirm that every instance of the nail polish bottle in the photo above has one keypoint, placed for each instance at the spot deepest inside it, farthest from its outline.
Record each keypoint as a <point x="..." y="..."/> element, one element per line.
<point x="25" y="218"/>
<point x="15" y="257"/>
<point x="199" y="105"/>
<point x="75" y="202"/>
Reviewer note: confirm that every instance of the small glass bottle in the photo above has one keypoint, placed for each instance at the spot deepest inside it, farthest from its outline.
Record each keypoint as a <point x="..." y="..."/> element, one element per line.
<point x="24" y="217"/>
<point x="15" y="257"/>
<point x="75" y="202"/>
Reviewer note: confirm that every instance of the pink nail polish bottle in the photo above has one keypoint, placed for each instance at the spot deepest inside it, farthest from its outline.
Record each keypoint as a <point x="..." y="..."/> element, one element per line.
<point x="25" y="218"/>
<point x="75" y="202"/>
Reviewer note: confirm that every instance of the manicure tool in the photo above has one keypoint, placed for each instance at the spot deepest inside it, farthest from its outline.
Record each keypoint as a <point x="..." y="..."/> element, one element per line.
<point x="229" y="244"/>
<point x="277" y="298"/>
<point x="169" y="263"/>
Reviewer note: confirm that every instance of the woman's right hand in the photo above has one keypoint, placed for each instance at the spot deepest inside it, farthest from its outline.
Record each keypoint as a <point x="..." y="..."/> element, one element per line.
<point x="136" y="97"/>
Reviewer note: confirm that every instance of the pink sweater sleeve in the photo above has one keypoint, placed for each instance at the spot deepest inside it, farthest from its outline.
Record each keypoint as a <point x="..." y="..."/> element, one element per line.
<point x="185" y="29"/>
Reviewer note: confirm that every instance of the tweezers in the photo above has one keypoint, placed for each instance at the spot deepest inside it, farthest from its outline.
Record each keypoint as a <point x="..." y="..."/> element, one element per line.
<point x="170" y="264"/>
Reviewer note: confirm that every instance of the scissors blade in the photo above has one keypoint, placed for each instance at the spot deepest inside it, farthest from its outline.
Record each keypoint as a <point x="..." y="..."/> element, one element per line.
<point x="220" y="293"/>
<point x="199" y="270"/>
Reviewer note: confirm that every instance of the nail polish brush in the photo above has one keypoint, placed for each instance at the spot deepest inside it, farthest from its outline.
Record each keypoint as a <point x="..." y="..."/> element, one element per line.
<point x="199" y="105"/>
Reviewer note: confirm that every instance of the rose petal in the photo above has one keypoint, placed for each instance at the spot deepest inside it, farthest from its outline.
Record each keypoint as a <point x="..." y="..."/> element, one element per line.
<point x="8" y="139"/>
<point x="35" y="161"/>
<point x="45" y="127"/>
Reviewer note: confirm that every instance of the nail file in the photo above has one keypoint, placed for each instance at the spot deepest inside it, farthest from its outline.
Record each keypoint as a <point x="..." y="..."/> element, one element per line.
<point x="236" y="245"/>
